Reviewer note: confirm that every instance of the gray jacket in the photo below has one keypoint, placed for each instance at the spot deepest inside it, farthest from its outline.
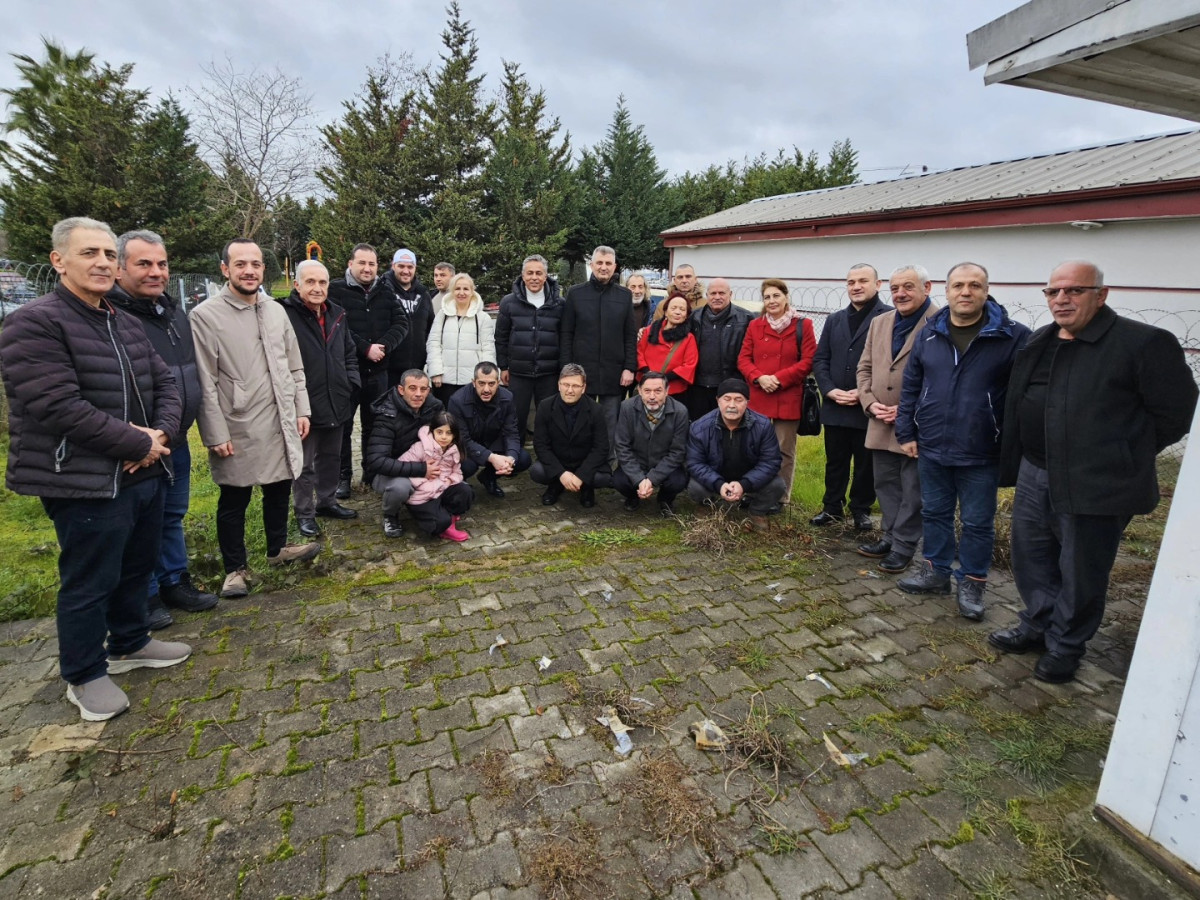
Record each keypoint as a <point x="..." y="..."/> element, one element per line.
<point x="643" y="452"/>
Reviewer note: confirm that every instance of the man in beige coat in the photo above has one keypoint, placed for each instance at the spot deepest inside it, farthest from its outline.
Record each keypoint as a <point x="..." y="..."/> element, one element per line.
<point x="253" y="411"/>
<point x="880" y="377"/>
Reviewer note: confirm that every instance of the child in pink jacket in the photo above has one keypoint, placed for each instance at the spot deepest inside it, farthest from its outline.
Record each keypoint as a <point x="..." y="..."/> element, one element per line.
<point x="441" y="497"/>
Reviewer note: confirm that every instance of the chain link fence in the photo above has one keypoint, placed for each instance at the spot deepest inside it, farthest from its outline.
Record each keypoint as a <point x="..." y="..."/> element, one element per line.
<point x="21" y="282"/>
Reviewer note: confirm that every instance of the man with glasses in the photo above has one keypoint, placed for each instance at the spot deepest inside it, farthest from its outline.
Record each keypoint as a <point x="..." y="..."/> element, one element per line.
<point x="1093" y="398"/>
<point x="571" y="441"/>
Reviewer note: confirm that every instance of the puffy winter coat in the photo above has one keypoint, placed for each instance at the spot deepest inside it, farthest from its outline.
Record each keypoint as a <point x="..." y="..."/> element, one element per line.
<point x="424" y="451"/>
<point x="330" y="361"/>
<point x="527" y="337"/>
<point x="68" y="368"/>
<point x="486" y="424"/>
<point x="598" y="333"/>
<point x="705" y="453"/>
<point x="393" y="431"/>
<point x="953" y="406"/>
<point x="373" y="317"/>
<point x="766" y="352"/>
<point x="458" y="343"/>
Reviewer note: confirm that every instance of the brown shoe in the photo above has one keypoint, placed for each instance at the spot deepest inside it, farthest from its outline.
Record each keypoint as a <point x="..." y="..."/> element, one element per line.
<point x="291" y="553"/>
<point x="237" y="584"/>
<point x="759" y="523"/>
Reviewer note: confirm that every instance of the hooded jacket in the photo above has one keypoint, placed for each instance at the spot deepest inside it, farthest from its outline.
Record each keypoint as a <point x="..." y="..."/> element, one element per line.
<point x="393" y="431"/>
<point x="458" y="343"/>
<point x="426" y="450"/>
<point x="598" y="333"/>
<point x="372" y="316"/>
<point x="330" y="361"/>
<point x="951" y="405"/>
<point x="415" y="302"/>
<point x="527" y="338"/>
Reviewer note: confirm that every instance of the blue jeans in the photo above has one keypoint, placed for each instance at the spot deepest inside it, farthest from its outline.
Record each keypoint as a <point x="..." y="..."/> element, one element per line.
<point x="107" y="553"/>
<point x="973" y="490"/>
<point x="173" y="558"/>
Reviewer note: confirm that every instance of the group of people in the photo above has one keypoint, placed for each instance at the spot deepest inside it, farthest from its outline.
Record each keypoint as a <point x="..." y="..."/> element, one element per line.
<point x="931" y="409"/>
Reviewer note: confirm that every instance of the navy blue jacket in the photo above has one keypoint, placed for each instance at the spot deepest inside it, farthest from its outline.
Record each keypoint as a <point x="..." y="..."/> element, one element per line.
<point x="954" y="407"/>
<point x="835" y="365"/>
<point x="705" y="456"/>
<point x="487" y="428"/>
<point x="527" y="343"/>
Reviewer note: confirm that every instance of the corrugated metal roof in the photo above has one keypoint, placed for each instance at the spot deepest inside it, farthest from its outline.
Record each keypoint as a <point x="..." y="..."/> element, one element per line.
<point x="1148" y="160"/>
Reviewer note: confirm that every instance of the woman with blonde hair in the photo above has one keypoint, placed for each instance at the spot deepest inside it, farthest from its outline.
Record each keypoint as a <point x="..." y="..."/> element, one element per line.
<point x="463" y="335"/>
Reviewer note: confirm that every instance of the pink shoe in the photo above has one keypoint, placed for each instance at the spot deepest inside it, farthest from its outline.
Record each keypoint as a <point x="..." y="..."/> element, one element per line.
<point x="454" y="534"/>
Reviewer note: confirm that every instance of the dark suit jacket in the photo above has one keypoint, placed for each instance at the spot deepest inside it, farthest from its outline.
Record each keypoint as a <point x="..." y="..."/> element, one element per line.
<point x="582" y="450"/>
<point x="836" y="364"/>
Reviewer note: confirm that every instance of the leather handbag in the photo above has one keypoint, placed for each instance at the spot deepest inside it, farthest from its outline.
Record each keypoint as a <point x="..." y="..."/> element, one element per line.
<point x="810" y="410"/>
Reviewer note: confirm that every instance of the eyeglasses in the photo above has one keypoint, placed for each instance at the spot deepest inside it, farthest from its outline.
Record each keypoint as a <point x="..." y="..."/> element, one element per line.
<point x="1051" y="293"/>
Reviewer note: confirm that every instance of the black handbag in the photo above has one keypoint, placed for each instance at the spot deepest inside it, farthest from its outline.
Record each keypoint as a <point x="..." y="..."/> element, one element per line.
<point x="810" y="410"/>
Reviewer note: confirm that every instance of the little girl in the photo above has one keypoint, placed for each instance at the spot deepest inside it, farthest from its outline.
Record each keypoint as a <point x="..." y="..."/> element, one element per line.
<point x="441" y="497"/>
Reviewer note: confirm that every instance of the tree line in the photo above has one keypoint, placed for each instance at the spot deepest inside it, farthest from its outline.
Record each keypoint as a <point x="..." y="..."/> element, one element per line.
<point x="419" y="157"/>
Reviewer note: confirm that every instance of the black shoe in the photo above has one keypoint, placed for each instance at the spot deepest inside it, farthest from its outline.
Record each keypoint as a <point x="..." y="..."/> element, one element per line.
<point x="157" y="616"/>
<point x="343" y="488"/>
<point x="392" y="527"/>
<point x="1015" y="640"/>
<point x="927" y="580"/>
<point x="1055" y="669"/>
<point x="862" y="521"/>
<point x="187" y="596"/>
<point x="632" y="503"/>
<point x="876" y="550"/>
<point x="587" y="497"/>
<point x="551" y="495"/>
<point x="492" y="487"/>
<point x="337" y="511"/>
<point x="895" y="562"/>
<point x="970" y="598"/>
<point x="824" y="518"/>
<point x="308" y="527"/>
<point x="665" y="509"/>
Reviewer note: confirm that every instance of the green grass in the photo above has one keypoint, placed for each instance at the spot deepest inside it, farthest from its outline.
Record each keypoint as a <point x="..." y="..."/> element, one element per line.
<point x="808" y="485"/>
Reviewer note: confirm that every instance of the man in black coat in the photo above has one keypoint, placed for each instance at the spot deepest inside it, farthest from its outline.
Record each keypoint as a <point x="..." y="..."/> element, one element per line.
<point x="571" y="442"/>
<point x="527" y="339"/>
<point x="1093" y="398"/>
<point x="835" y="367"/>
<point x="599" y="334"/>
<point x="141" y="289"/>
<point x="399" y="415"/>
<point x="332" y="379"/>
<point x="92" y="411"/>
<point x="378" y="325"/>
<point x="414" y="298"/>
<point x="719" y="327"/>
<point x="652" y="436"/>
<point x="488" y="420"/>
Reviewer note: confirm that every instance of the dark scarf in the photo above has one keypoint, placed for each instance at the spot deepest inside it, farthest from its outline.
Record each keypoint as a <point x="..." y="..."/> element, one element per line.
<point x="905" y="324"/>
<point x="660" y="334"/>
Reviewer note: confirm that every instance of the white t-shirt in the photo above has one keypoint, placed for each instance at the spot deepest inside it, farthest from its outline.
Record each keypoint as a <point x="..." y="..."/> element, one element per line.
<point x="536" y="299"/>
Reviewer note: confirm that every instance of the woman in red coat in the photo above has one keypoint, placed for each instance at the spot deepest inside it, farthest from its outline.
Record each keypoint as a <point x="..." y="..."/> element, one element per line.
<point x="775" y="361"/>
<point x="668" y="346"/>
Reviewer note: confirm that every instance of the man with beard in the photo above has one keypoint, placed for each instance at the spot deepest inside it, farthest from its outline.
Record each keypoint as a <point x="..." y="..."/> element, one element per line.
<point x="414" y="299"/>
<point x="485" y="413"/>
<point x="253" y="411"/>
<point x="652" y="433"/>
<point x="719" y="328"/>
<point x="527" y="344"/>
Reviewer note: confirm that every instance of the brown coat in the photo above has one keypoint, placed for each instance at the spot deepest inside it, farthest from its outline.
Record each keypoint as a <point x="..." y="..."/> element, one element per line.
<point x="880" y="377"/>
<point x="252" y="389"/>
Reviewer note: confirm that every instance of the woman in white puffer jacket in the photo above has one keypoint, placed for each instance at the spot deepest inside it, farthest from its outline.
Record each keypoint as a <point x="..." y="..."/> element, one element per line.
<point x="463" y="335"/>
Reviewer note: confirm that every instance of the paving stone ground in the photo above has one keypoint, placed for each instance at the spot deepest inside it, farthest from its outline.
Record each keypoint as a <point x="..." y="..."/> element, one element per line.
<point x="350" y="734"/>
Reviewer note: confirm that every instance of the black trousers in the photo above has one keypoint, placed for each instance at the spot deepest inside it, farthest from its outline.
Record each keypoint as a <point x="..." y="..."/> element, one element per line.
<point x="671" y="488"/>
<point x="487" y="473"/>
<point x="528" y="391"/>
<point x="374" y="387"/>
<point x="231" y="520"/>
<point x="700" y="400"/>
<point x="538" y="474"/>
<point x="435" y="516"/>
<point x="842" y="446"/>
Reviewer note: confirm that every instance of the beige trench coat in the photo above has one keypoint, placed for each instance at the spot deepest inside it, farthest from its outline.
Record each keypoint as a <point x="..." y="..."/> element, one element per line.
<point x="880" y="377"/>
<point x="252" y="389"/>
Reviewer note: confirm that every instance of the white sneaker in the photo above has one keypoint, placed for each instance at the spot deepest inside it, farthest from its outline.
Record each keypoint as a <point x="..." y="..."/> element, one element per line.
<point x="155" y="655"/>
<point x="98" y="700"/>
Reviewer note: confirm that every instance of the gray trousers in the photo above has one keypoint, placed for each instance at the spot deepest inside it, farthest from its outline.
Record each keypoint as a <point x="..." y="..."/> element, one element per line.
<point x="610" y="405"/>
<point x="322" y="468"/>
<point x="1061" y="564"/>
<point x="395" y="490"/>
<point x="760" y="503"/>
<point x="898" y="487"/>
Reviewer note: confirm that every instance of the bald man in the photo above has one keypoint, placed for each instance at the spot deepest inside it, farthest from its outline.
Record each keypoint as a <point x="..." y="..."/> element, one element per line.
<point x="719" y="327"/>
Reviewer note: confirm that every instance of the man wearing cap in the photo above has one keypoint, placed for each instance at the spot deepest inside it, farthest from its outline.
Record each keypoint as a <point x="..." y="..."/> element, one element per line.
<point x="733" y="456"/>
<point x="416" y="302"/>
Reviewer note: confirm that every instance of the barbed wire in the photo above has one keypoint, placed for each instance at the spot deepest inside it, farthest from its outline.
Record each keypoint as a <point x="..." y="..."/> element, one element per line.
<point x="21" y="282"/>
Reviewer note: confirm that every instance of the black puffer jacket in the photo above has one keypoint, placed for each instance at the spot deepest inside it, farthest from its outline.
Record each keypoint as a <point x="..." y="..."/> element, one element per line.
<point x="598" y="332"/>
<point x="527" y="342"/>
<point x="374" y="318"/>
<point x="418" y="306"/>
<point x="331" y="373"/>
<point x="394" y="431"/>
<point x="170" y="332"/>
<point x="483" y="424"/>
<point x="75" y="377"/>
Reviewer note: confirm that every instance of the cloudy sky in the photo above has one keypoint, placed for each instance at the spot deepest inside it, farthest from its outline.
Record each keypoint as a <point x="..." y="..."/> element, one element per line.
<point x="710" y="81"/>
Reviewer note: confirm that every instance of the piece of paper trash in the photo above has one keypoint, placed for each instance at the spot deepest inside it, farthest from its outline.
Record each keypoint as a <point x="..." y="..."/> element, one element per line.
<point x="778" y="598"/>
<point x="642" y="700"/>
<point x="544" y="663"/>
<point x="788" y="555"/>
<point x="773" y="585"/>
<point x="849" y="760"/>
<point x="500" y="642"/>
<point x="708" y="735"/>
<point x="608" y="596"/>
<point x="620" y="730"/>
<point x="817" y="676"/>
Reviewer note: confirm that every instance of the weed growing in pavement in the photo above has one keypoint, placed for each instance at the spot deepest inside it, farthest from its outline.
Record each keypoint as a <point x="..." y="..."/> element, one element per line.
<point x="566" y="867"/>
<point x="993" y="886"/>
<point x="674" y="809"/>
<point x="492" y="768"/>
<point x="776" y="840"/>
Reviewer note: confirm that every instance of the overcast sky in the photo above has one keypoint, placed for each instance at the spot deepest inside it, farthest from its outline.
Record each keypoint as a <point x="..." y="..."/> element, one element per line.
<point x="709" y="80"/>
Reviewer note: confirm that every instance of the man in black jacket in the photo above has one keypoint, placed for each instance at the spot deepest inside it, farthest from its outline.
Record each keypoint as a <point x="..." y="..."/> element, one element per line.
<point x="415" y="300"/>
<point x="835" y="367"/>
<point x="571" y="442"/>
<point x="1093" y="399"/>
<point x="599" y="334"/>
<point x="141" y="289"/>
<point x="652" y="436"/>
<point x="378" y="325"/>
<point x="399" y="415"/>
<point x="92" y="411"/>
<point x="720" y="328"/>
<point x="491" y="446"/>
<point x="332" y="380"/>
<point x="527" y="339"/>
